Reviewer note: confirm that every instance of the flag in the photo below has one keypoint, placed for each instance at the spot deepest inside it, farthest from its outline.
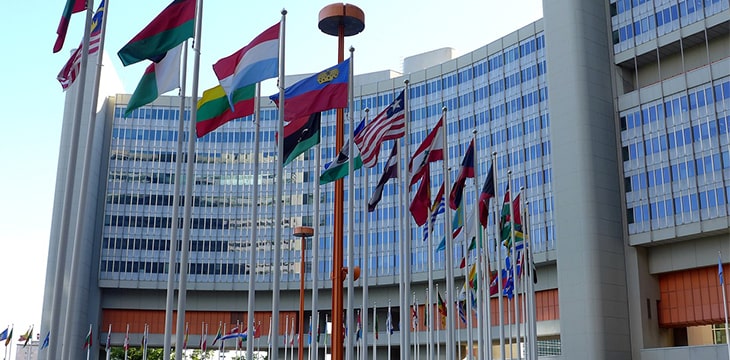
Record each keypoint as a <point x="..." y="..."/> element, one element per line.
<point x="389" y="322"/>
<point x="204" y="342"/>
<point x="185" y="339"/>
<point x="27" y="337"/>
<point x="414" y="316"/>
<point x="10" y="337"/>
<point x="461" y="305"/>
<point x="430" y="150"/>
<point x="253" y="63"/>
<point x="159" y="78"/>
<point x="390" y="172"/>
<point x="71" y="69"/>
<point x="506" y="222"/>
<point x="340" y="167"/>
<point x="218" y="334"/>
<point x="473" y="276"/>
<point x="322" y="91"/>
<point x="389" y="124"/>
<point x="719" y="270"/>
<point x="126" y="339"/>
<point x="422" y="200"/>
<point x="109" y="338"/>
<point x="300" y="135"/>
<point x="4" y="334"/>
<point x="466" y="171"/>
<point x="46" y="341"/>
<point x="214" y="109"/>
<point x="437" y="208"/>
<point x="457" y="224"/>
<point x="441" y="305"/>
<point x="507" y="279"/>
<point x="88" y="342"/>
<point x="358" y="333"/>
<point x="174" y="25"/>
<point x="72" y="7"/>
<point x="486" y="194"/>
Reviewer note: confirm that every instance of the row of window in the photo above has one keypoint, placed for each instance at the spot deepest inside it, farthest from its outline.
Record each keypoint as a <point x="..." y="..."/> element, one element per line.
<point x="676" y="106"/>
<point x="690" y="203"/>
<point x="676" y="139"/>
<point x="681" y="171"/>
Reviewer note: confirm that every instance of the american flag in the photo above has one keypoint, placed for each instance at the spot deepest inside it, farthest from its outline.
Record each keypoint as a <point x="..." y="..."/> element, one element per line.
<point x="388" y="125"/>
<point x="71" y="69"/>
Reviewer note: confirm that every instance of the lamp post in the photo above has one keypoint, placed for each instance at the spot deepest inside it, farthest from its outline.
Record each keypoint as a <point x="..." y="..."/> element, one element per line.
<point x="303" y="232"/>
<point x="339" y="20"/>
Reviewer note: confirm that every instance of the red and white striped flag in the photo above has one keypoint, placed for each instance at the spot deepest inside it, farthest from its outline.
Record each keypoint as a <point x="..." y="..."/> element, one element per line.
<point x="388" y="125"/>
<point x="430" y="150"/>
<point x="71" y="69"/>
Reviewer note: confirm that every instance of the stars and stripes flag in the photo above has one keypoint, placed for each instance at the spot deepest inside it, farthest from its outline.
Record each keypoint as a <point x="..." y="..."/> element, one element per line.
<point x="388" y="125"/>
<point x="71" y="69"/>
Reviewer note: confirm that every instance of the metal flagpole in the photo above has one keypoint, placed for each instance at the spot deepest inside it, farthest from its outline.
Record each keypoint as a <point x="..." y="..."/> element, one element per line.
<point x="479" y="262"/>
<point x="404" y="285"/>
<point x="254" y="220"/>
<point x="375" y="331"/>
<point x="389" y="323"/>
<point x="450" y="325"/>
<point x="438" y="330"/>
<point x="724" y="299"/>
<point x="190" y="180"/>
<point x="365" y="252"/>
<point x="64" y="337"/>
<point x="498" y="253"/>
<point x="467" y="287"/>
<point x="513" y="254"/>
<point x="278" y="193"/>
<point x="172" y="259"/>
<point x="286" y="337"/>
<point x="315" y="252"/>
<point x="487" y="297"/>
<point x="531" y="284"/>
<point x="429" y="289"/>
<point x="349" y="351"/>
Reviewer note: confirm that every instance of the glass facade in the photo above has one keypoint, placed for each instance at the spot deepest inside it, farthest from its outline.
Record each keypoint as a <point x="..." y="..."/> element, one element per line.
<point x="502" y="96"/>
<point x="676" y="159"/>
<point x="635" y="22"/>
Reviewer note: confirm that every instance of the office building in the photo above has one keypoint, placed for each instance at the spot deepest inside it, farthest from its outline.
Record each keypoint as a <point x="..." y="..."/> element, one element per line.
<point x="612" y="117"/>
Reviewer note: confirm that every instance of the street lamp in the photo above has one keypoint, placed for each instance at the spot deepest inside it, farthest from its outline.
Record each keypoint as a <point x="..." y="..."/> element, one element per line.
<point x="339" y="20"/>
<point x="303" y="232"/>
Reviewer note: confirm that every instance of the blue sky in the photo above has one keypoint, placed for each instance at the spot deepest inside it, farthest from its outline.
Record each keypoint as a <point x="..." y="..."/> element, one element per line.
<point x="33" y="99"/>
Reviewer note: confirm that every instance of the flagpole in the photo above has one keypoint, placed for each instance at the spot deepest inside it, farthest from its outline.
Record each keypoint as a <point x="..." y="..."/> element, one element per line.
<point x="429" y="291"/>
<point x="498" y="253"/>
<point x="66" y="214"/>
<point x="126" y="343"/>
<point x="478" y="234"/>
<point x="467" y="286"/>
<point x="487" y="295"/>
<point x="438" y="331"/>
<point x="254" y="220"/>
<point x="190" y="181"/>
<point x="724" y="300"/>
<point x="350" y="221"/>
<point x="278" y="194"/>
<point x="530" y="286"/>
<point x="88" y="346"/>
<point x="405" y="239"/>
<point x="315" y="252"/>
<point x="513" y="254"/>
<point x="170" y="298"/>
<point x="450" y="326"/>
<point x="365" y="266"/>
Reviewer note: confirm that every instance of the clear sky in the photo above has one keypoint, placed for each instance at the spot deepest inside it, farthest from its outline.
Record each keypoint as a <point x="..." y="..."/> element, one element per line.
<point x="32" y="99"/>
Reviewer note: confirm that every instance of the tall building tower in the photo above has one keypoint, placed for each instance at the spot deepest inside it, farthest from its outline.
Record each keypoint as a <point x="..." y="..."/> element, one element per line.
<point x="611" y="118"/>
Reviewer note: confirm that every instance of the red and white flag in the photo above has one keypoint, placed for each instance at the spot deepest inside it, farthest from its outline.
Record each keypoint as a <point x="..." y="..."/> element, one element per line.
<point x="431" y="149"/>
<point x="390" y="124"/>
